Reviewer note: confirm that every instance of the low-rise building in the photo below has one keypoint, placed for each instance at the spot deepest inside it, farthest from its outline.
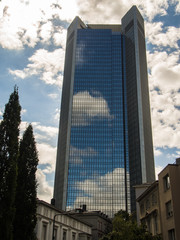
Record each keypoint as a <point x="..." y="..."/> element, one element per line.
<point x="159" y="206"/>
<point x="101" y="223"/>
<point x="139" y="189"/>
<point x="149" y="211"/>
<point x="65" y="226"/>
<point x="169" y="192"/>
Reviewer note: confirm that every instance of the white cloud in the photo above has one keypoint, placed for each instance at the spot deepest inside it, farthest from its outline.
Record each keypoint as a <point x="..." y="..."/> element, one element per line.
<point x="173" y="156"/>
<point x="46" y="32"/>
<point x="59" y="37"/>
<point x="46" y="152"/>
<point x="47" y="158"/>
<point x="177" y="6"/>
<point x="18" y="28"/>
<point x="162" y="56"/>
<point x="47" y="155"/>
<point x="111" y="12"/>
<point x="157" y="152"/>
<point x="48" y="65"/>
<point x="150" y="8"/>
<point x="85" y="108"/>
<point x="53" y="95"/>
<point x="69" y="9"/>
<point x="159" y="35"/>
<point x="47" y="130"/>
<point x="23" y="111"/>
<point x="164" y="78"/>
<point x="1" y="113"/>
<point x="18" y="73"/>
<point x="57" y="115"/>
<point x="23" y="126"/>
<point x="158" y="169"/>
<point x="165" y="120"/>
<point x="41" y="133"/>
<point x="44" y="190"/>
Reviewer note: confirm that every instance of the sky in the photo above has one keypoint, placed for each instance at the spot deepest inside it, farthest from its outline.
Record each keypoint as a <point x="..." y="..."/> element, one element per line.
<point x="32" y="48"/>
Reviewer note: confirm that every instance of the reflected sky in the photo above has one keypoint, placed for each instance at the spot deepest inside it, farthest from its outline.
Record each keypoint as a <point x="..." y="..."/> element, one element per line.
<point x="98" y="164"/>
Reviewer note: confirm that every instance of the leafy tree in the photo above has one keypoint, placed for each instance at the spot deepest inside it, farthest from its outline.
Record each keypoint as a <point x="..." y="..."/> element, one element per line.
<point x="9" y="133"/>
<point x="125" y="227"/>
<point x="25" y="218"/>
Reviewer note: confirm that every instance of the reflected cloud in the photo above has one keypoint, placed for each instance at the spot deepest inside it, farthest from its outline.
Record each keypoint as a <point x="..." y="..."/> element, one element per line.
<point x="105" y="193"/>
<point x="85" y="109"/>
<point x="79" y="53"/>
<point x="76" y="154"/>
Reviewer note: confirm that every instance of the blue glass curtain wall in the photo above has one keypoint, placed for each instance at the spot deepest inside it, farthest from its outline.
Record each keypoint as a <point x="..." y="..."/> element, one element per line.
<point x="98" y="174"/>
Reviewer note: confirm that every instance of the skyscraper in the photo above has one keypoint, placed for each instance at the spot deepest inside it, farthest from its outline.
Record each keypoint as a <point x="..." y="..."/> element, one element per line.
<point x="105" y="140"/>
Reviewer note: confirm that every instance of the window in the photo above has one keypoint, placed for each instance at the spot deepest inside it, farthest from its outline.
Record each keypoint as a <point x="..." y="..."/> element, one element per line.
<point x="147" y="204"/>
<point x="142" y="208"/>
<point x="45" y="212"/>
<point x="99" y="235"/>
<point x="55" y="233"/>
<point x="64" y="234"/>
<point x="44" y="231"/>
<point x="155" y="224"/>
<point x="154" y="199"/>
<point x="99" y="225"/>
<point x="166" y="182"/>
<point x="73" y="236"/>
<point x="169" y="211"/>
<point x="149" y="224"/>
<point x="171" y="234"/>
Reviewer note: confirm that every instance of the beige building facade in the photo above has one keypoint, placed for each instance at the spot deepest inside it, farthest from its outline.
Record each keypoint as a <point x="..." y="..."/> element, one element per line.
<point x="66" y="227"/>
<point x="100" y="222"/>
<point x="169" y="192"/>
<point x="149" y="211"/>
<point x="159" y="204"/>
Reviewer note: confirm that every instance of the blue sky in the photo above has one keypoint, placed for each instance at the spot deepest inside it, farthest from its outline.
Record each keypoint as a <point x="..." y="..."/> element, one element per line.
<point x="32" y="46"/>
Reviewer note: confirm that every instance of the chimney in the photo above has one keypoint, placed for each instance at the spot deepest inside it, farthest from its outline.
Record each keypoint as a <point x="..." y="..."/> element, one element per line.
<point x="178" y="161"/>
<point x="53" y="201"/>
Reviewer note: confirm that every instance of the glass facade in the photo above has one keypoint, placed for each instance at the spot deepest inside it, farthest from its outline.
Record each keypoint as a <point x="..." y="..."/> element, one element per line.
<point x="105" y="141"/>
<point x="98" y="173"/>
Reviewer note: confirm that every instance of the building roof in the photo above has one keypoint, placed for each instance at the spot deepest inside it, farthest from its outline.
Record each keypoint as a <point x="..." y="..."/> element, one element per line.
<point x="61" y="211"/>
<point x="148" y="190"/>
<point x="90" y="213"/>
<point x="176" y="164"/>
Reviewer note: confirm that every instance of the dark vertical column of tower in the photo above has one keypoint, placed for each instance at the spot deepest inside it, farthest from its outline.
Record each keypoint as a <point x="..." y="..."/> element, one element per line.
<point x="61" y="174"/>
<point x="141" y="157"/>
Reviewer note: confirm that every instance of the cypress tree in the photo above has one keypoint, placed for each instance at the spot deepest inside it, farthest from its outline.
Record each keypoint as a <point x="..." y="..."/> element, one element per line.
<point x="25" y="218"/>
<point x="9" y="134"/>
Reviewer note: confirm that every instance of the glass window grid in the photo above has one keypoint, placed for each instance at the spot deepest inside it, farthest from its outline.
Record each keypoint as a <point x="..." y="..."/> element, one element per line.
<point x="101" y="71"/>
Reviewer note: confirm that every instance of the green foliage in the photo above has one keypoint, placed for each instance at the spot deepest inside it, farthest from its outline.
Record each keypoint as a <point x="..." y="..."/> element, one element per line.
<point x="125" y="227"/>
<point x="9" y="133"/>
<point x="18" y="165"/>
<point x="25" y="217"/>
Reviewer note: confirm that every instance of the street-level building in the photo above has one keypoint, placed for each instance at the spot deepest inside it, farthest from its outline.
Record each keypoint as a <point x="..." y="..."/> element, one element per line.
<point x="66" y="227"/>
<point x="169" y="196"/>
<point x="139" y="189"/>
<point x="159" y="206"/>
<point x="101" y="223"/>
<point x="149" y="209"/>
